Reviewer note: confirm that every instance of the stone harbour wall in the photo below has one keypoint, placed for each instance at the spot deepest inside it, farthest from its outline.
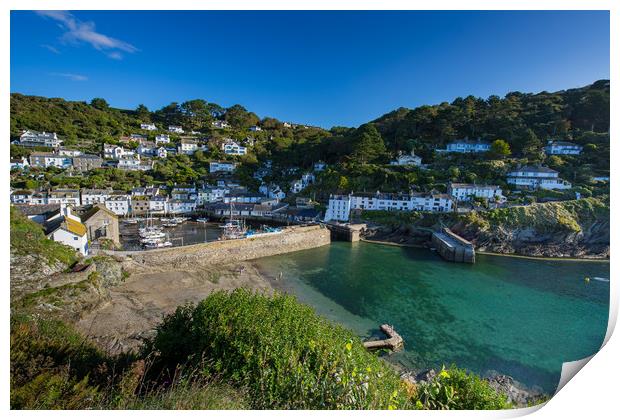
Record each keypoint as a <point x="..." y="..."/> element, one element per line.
<point x="295" y="238"/>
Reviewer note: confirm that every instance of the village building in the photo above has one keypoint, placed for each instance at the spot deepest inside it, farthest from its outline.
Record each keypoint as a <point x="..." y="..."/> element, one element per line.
<point x="100" y="223"/>
<point x="162" y="139"/>
<point x="119" y="204"/>
<point x="21" y="197"/>
<point x="181" y="206"/>
<point x="243" y="197"/>
<point x="140" y="205"/>
<point x="147" y="148"/>
<point x="562" y="148"/>
<point x="67" y="229"/>
<point x="85" y="163"/>
<point x="31" y="138"/>
<point x="340" y="206"/>
<point x="188" y="146"/>
<point x="148" y="126"/>
<point x="255" y="128"/>
<point x="176" y="129"/>
<point x="220" y="124"/>
<point x="92" y="196"/>
<point x="158" y="204"/>
<point x="21" y="163"/>
<point x="272" y="191"/>
<point x="68" y="152"/>
<point x="534" y="177"/>
<point x="407" y="159"/>
<point x="38" y="213"/>
<point x="231" y="147"/>
<point x="209" y="194"/>
<point x="466" y="192"/>
<point x="113" y="151"/>
<point x="49" y="159"/>
<point x="64" y="196"/>
<point x="219" y="166"/>
<point x="466" y="146"/>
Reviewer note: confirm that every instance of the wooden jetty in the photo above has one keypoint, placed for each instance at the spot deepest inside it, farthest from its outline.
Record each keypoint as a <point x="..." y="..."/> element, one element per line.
<point x="394" y="341"/>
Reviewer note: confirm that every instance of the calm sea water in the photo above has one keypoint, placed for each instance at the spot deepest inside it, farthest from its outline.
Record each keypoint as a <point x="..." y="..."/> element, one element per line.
<point x="514" y="316"/>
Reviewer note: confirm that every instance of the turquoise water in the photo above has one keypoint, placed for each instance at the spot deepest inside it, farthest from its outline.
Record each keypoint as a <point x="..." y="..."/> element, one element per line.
<point x="514" y="316"/>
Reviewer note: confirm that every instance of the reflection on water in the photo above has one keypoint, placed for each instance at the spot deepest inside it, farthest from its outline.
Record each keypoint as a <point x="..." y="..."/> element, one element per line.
<point x="520" y="317"/>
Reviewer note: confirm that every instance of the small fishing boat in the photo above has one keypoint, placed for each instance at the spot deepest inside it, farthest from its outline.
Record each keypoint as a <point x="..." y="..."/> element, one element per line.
<point x="202" y="220"/>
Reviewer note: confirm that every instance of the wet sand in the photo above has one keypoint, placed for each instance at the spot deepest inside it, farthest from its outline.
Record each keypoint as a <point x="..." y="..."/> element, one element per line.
<point x="138" y="305"/>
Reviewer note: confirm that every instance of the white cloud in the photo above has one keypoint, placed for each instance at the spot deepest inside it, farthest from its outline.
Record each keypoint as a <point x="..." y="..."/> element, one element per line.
<point x="77" y="31"/>
<point x="71" y="76"/>
<point x="50" y="48"/>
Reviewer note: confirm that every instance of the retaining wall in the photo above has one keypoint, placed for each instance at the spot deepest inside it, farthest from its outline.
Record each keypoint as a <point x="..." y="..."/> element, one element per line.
<point x="295" y="238"/>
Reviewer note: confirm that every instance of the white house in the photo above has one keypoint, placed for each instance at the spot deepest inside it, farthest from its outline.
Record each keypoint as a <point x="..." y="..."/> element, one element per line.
<point x="112" y="151"/>
<point x="537" y="177"/>
<point x="147" y="148"/>
<point x="562" y="148"/>
<point x="68" y="152"/>
<point x="181" y="206"/>
<point x="162" y="139"/>
<point x="222" y="166"/>
<point x="188" y="147"/>
<point x="68" y="230"/>
<point x="242" y="197"/>
<point x="64" y="196"/>
<point x="158" y="204"/>
<point x="340" y="206"/>
<point x="407" y="159"/>
<point x="231" y="147"/>
<point x="176" y="129"/>
<point x="129" y="162"/>
<point x="49" y="159"/>
<point x="210" y="194"/>
<point x="220" y="124"/>
<point x="95" y="196"/>
<point x="162" y="153"/>
<point x="119" y="204"/>
<point x="272" y="191"/>
<point x="19" y="163"/>
<point x="255" y="128"/>
<point x="21" y="197"/>
<point x="465" y="192"/>
<point x="467" y="146"/>
<point x="149" y="127"/>
<point x="31" y="138"/>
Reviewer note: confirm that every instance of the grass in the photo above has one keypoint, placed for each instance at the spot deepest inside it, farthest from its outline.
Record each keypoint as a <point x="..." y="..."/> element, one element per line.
<point x="27" y="238"/>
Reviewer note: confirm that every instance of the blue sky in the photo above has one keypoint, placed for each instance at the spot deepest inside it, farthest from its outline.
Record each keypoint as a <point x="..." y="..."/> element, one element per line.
<point x="322" y="68"/>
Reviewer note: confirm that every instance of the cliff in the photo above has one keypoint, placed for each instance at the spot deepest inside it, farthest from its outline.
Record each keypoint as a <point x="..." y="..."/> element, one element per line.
<point x="575" y="228"/>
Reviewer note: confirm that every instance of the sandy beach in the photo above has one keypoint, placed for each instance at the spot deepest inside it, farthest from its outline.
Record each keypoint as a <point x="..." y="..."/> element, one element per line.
<point x="137" y="305"/>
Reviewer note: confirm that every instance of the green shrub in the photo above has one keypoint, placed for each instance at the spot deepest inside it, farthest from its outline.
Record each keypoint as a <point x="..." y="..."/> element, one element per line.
<point x="281" y="351"/>
<point x="455" y="389"/>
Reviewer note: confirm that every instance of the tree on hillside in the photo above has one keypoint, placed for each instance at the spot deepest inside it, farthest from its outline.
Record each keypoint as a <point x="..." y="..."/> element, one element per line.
<point x="367" y="144"/>
<point x="239" y="117"/>
<point x="196" y="114"/>
<point x="500" y="148"/>
<point x="143" y="113"/>
<point x="530" y="143"/>
<point x="99" y="103"/>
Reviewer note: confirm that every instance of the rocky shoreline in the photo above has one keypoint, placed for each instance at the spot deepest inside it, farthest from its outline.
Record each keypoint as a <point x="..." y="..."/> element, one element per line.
<point x="509" y="245"/>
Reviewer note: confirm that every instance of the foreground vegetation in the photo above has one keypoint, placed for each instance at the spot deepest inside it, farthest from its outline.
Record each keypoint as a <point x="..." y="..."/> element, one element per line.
<point x="27" y="238"/>
<point x="233" y="350"/>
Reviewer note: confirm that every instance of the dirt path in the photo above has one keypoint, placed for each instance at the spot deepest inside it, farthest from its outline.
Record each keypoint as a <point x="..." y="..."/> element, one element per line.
<point x="138" y="305"/>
